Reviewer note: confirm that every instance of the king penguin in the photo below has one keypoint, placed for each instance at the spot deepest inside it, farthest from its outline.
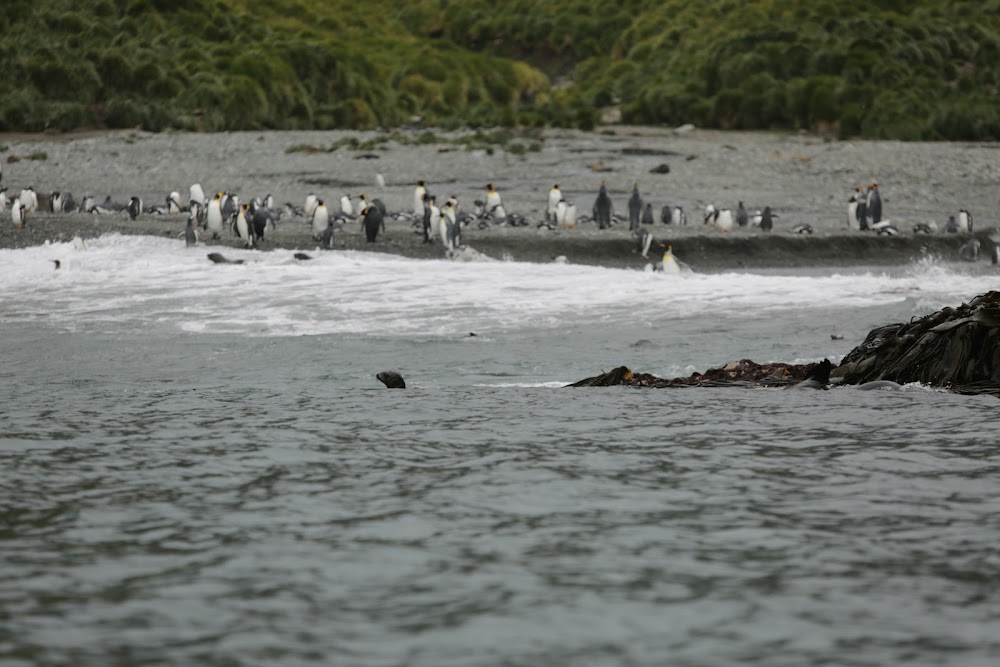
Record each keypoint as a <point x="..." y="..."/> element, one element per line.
<point x="310" y="206"/>
<point x="242" y="226"/>
<point x="418" y="198"/>
<point x="742" y="218"/>
<point x="647" y="215"/>
<point x="492" y="198"/>
<point x="327" y="238"/>
<point x="555" y="196"/>
<point x="213" y="217"/>
<point x="346" y="207"/>
<point x="669" y="264"/>
<point x="861" y="212"/>
<point x="320" y="218"/>
<point x="373" y="222"/>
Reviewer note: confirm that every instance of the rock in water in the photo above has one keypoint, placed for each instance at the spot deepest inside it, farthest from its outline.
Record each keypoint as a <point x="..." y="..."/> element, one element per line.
<point x="958" y="348"/>
<point x="391" y="379"/>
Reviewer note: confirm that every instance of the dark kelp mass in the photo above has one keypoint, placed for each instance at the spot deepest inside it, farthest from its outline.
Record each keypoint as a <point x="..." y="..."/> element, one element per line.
<point x="953" y="348"/>
<point x="917" y="70"/>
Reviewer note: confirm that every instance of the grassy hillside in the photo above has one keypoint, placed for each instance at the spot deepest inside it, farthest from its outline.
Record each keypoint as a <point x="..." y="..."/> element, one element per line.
<point x="919" y="69"/>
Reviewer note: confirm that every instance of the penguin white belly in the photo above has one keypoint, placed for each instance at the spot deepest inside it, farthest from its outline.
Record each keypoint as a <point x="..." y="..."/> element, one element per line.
<point x="196" y="194"/>
<point x="243" y="228"/>
<point x="319" y="221"/>
<point x="310" y="207"/>
<point x="725" y="221"/>
<point x="561" y="213"/>
<point x="670" y="265"/>
<point x="492" y="201"/>
<point x="17" y="213"/>
<point x="569" y="221"/>
<point x="213" y="217"/>
<point x="555" y="196"/>
<point x="852" y="214"/>
<point x="346" y="207"/>
<point x="418" y="202"/>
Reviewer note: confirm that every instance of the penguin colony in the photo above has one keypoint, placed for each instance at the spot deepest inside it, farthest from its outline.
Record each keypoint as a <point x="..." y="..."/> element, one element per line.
<point x="443" y="221"/>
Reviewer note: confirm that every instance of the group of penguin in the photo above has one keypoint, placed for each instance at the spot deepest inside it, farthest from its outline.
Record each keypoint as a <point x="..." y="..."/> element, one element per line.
<point x="372" y="215"/>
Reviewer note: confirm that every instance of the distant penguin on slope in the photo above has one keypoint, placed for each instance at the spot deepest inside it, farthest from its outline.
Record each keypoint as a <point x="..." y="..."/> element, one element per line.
<point x="196" y="194"/>
<point x="647" y="215"/>
<point x="263" y="222"/>
<point x="767" y="219"/>
<point x="852" y="211"/>
<point x="310" y="206"/>
<point x="724" y="220"/>
<point x="320" y="218"/>
<point x="742" y="218"/>
<point x="373" y="222"/>
<point x="346" y="207"/>
<point x="242" y="226"/>
<point x="213" y="217"/>
<point x="492" y="198"/>
<point x="861" y="211"/>
<point x="555" y="196"/>
<point x="634" y="208"/>
<point x="678" y="217"/>
<point x="3" y="198"/>
<point x="29" y="200"/>
<point x="55" y="202"/>
<point x="18" y="214"/>
<point x="874" y="203"/>
<point x="327" y="238"/>
<point x="418" y="198"/>
<point x="134" y="208"/>
<point x="603" y="208"/>
<point x="964" y="221"/>
<point x="173" y="203"/>
<point x="190" y="233"/>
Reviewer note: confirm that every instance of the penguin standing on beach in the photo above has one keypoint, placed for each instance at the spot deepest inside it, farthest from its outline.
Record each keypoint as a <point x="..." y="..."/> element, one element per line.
<point x="767" y="219"/>
<point x="450" y="215"/>
<point x="18" y="214"/>
<point x="173" y="203"/>
<point x="647" y="215"/>
<point x="310" y="206"/>
<point x="861" y="210"/>
<point x="55" y="202"/>
<point x="320" y="218"/>
<point x="190" y="233"/>
<point x="492" y="199"/>
<point x="874" y="204"/>
<point x="134" y="208"/>
<point x="419" y="201"/>
<point x="742" y="218"/>
<point x="603" y="207"/>
<point x="242" y="226"/>
<point x="196" y="194"/>
<point x="29" y="200"/>
<point x="425" y="216"/>
<point x="213" y="217"/>
<point x="964" y="221"/>
<point x="346" y="207"/>
<point x="262" y="223"/>
<point x="372" y="222"/>
<point x="634" y="208"/>
<point x="852" y="211"/>
<point x="327" y="238"/>
<point x="3" y="198"/>
<point x="555" y="196"/>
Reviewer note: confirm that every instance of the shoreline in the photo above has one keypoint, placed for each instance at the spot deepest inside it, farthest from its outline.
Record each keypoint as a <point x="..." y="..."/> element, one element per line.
<point x="804" y="178"/>
<point x="614" y="248"/>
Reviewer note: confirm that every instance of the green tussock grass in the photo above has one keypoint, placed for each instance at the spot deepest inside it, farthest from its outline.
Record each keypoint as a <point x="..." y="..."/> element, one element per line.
<point x="918" y="69"/>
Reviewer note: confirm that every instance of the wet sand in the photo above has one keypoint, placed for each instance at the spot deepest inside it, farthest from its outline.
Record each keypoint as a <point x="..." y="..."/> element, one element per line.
<point x="805" y="179"/>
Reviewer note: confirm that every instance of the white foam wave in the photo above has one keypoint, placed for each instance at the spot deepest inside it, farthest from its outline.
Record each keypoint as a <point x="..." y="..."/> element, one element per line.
<point x="141" y="283"/>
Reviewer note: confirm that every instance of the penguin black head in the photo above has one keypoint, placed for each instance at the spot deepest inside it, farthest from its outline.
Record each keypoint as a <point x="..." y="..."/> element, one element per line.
<point x="319" y="202"/>
<point x="57" y="263"/>
<point x="421" y="183"/>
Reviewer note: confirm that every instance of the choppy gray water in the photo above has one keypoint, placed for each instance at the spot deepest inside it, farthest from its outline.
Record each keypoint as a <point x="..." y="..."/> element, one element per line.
<point x="186" y="498"/>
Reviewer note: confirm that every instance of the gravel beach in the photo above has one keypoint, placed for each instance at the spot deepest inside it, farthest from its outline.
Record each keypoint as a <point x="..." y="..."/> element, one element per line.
<point x="804" y="178"/>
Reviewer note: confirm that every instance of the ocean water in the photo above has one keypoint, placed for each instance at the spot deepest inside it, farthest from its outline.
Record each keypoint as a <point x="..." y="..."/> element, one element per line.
<point x="198" y="466"/>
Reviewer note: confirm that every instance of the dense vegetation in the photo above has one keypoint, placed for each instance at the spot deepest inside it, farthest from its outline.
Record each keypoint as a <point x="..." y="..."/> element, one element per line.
<point x="908" y="69"/>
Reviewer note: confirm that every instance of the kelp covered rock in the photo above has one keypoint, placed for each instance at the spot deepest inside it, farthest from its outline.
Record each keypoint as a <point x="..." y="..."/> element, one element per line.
<point x="738" y="373"/>
<point x="957" y="348"/>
